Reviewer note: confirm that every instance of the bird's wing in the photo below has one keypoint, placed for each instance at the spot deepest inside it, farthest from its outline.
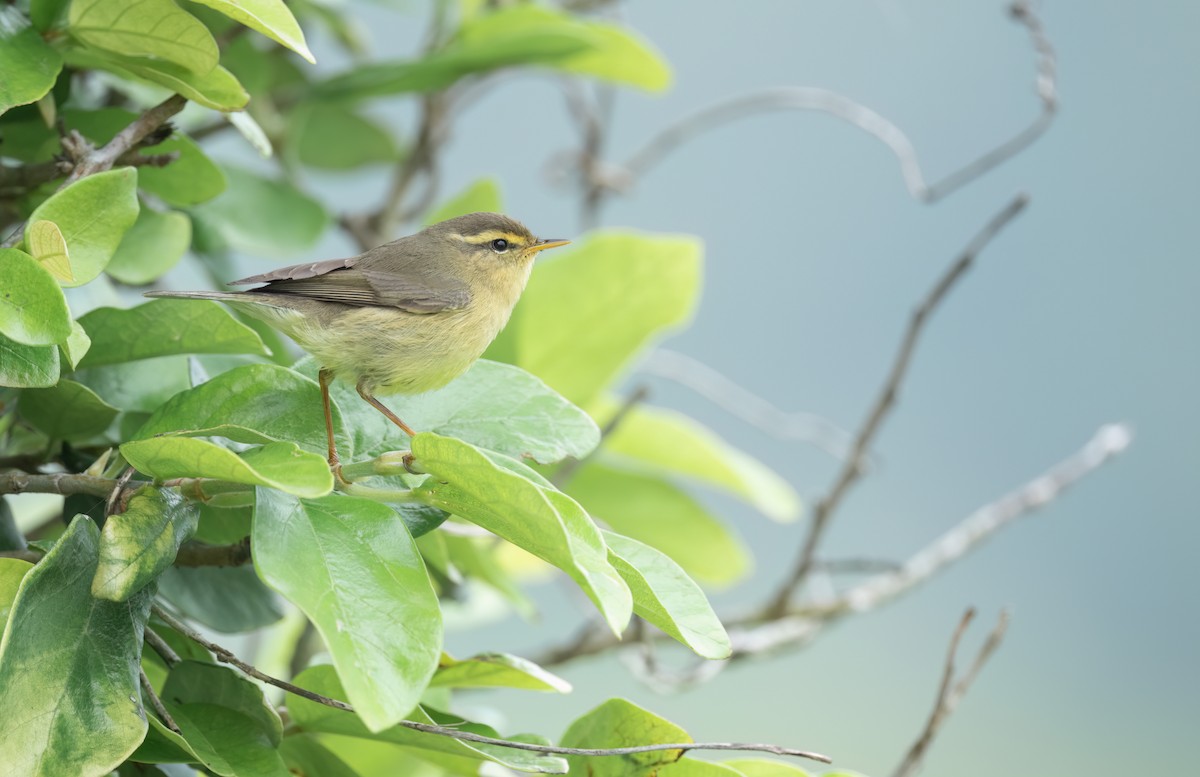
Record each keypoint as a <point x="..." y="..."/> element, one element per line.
<point x="363" y="281"/>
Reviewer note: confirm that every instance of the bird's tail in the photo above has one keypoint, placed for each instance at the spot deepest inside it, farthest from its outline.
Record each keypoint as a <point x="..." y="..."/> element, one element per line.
<point x="221" y="296"/>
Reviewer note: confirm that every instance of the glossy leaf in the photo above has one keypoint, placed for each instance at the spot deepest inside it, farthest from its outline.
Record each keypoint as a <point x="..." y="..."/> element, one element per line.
<point x="159" y="29"/>
<point x="226" y="741"/>
<point x="226" y="599"/>
<point x="255" y="403"/>
<point x="668" y="441"/>
<point x="138" y="387"/>
<point x="278" y="465"/>
<point x="311" y="716"/>
<point x="621" y="723"/>
<point x="659" y="514"/>
<point x="665" y="596"/>
<point x="331" y="136"/>
<point x="496" y="670"/>
<point x="69" y="667"/>
<point x="93" y="214"/>
<point x="154" y="244"/>
<point x="493" y="405"/>
<point x="33" y="310"/>
<point x="354" y="570"/>
<point x="28" y="65"/>
<point x="67" y="411"/>
<point x="761" y="767"/>
<point x="27" y="366"/>
<point x="12" y="572"/>
<point x="197" y="682"/>
<point x="139" y="543"/>
<point x="483" y="196"/>
<point x="547" y="523"/>
<point x="48" y="246"/>
<point x="270" y="17"/>
<point x="564" y="329"/>
<point x="264" y="217"/>
<point x="164" y="327"/>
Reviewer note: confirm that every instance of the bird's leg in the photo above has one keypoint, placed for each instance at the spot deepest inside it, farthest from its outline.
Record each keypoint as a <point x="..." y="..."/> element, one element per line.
<point x="323" y="378"/>
<point x="375" y="403"/>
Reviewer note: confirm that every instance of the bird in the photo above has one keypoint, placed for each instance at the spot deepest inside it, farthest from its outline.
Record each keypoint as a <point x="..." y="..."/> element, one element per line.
<point x="405" y="317"/>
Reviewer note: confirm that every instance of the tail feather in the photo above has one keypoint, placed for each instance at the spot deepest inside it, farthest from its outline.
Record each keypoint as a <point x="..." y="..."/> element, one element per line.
<point x="222" y="296"/>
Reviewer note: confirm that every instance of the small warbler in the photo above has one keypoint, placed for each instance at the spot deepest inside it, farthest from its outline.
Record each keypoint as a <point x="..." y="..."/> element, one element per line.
<point x="404" y="318"/>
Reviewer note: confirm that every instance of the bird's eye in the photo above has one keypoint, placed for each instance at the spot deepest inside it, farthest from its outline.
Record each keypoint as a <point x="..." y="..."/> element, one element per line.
<point x="499" y="245"/>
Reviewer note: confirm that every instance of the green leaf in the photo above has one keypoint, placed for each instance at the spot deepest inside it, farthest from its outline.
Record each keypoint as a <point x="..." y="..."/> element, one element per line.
<point x="547" y="523"/>
<point x="12" y="572"/>
<point x="305" y="755"/>
<point x="564" y="331"/>
<point x="49" y="247"/>
<point x="277" y="465"/>
<point x="621" y="723"/>
<point x="659" y="514"/>
<point x="33" y="310"/>
<point x="28" y="65"/>
<point x="191" y="179"/>
<point x="311" y="716"/>
<point x="226" y="741"/>
<point x="155" y="244"/>
<point x="148" y="28"/>
<point x="164" y="327"/>
<point x="216" y="89"/>
<point x="255" y="403"/>
<point x="45" y="13"/>
<point x="496" y="670"/>
<point x="93" y="214"/>
<point x="67" y="411"/>
<point x="476" y="558"/>
<point x="69" y="667"/>
<point x="138" y="387"/>
<point x="76" y="345"/>
<point x="270" y="17"/>
<point x="664" y="595"/>
<point x="667" y="441"/>
<point x="690" y="767"/>
<point x="761" y="767"/>
<point x="493" y="405"/>
<point x="612" y="53"/>
<point x="27" y="366"/>
<point x="226" y="599"/>
<point x="351" y="566"/>
<point x="483" y="196"/>
<point x="138" y="544"/>
<point x="264" y="217"/>
<point x="197" y="682"/>
<point x="330" y="136"/>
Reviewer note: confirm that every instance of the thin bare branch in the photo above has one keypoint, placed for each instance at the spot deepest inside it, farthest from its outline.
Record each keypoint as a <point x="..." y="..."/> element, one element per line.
<point x="160" y="646"/>
<point x="156" y="702"/>
<point x="197" y="554"/>
<point x="853" y="467"/>
<point x="63" y="483"/>
<point x="226" y="656"/>
<point x="744" y="404"/>
<point x="950" y="693"/>
<point x="865" y="119"/>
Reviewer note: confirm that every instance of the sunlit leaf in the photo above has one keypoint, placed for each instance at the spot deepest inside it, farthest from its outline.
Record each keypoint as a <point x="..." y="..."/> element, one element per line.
<point x="276" y="465"/>
<point x="483" y="196"/>
<point x="33" y="310"/>
<point x="159" y="29"/>
<point x="28" y="65"/>
<point x="270" y="17"/>
<point x="490" y="670"/>
<point x="12" y="572"/>
<point x="621" y="723"/>
<point x="47" y="245"/>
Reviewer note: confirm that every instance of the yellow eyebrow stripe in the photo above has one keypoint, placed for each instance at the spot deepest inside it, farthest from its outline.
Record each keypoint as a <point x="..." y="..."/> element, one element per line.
<point x="492" y="234"/>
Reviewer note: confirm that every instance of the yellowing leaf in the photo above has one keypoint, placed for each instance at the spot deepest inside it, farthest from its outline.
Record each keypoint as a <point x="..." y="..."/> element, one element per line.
<point x="49" y="247"/>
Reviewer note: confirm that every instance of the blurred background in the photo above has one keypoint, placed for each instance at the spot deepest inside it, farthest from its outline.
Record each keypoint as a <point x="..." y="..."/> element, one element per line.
<point x="1083" y="312"/>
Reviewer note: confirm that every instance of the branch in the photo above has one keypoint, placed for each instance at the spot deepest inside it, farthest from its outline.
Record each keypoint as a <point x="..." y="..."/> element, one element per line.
<point x="865" y="119"/>
<point x="853" y="466"/>
<point x="197" y="554"/>
<point x="951" y="693"/>
<point x="89" y="160"/>
<point x="156" y="702"/>
<point x="757" y="633"/>
<point x="160" y="646"/>
<point x="228" y="657"/>
<point x="62" y="483"/>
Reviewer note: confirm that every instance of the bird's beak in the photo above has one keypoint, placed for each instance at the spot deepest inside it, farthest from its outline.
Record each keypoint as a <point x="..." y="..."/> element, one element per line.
<point x="542" y="245"/>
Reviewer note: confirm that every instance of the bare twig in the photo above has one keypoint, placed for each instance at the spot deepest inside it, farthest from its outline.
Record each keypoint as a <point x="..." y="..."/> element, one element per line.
<point x="160" y="646"/>
<point x="156" y="702"/>
<point x="865" y="119"/>
<point x="746" y="405"/>
<point x="756" y="633"/>
<point x="228" y="657"/>
<point x="852" y="468"/>
<point x="950" y="693"/>
<point x="197" y="554"/>
<point x="63" y="483"/>
<point x="89" y="160"/>
<point x="422" y="159"/>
